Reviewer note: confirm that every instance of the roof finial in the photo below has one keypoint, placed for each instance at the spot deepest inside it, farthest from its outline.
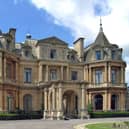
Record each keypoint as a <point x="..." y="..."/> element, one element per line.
<point x="101" y="28"/>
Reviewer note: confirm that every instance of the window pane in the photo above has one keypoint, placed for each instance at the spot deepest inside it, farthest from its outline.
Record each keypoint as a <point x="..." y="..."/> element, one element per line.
<point x="113" y="74"/>
<point x="74" y="75"/>
<point x="53" y="74"/>
<point x="98" y="76"/>
<point x="113" y="54"/>
<point x="53" y="53"/>
<point x="27" y="75"/>
<point x="98" y="55"/>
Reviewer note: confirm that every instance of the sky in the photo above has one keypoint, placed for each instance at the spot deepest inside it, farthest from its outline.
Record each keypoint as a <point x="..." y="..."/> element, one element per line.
<point x="68" y="20"/>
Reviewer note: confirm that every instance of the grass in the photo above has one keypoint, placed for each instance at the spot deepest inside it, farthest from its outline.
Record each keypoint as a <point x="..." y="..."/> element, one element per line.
<point x="106" y="126"/>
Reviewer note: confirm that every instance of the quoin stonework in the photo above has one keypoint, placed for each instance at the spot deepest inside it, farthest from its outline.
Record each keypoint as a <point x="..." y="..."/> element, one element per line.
<point x="47" y="75"/>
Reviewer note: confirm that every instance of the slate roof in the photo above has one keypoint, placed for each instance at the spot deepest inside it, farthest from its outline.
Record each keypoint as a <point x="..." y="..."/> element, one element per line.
<point x="53" y="40"/>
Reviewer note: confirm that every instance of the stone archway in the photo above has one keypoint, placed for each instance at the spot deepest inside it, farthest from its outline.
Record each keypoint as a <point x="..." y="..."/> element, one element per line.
<point x="70" y="104"/>
<point x="27" y="103"/>
<point x="98" y="102"/>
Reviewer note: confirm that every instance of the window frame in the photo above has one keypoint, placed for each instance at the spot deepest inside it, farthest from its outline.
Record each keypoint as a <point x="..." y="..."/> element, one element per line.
<point x="53" y="53"/>
<point x="113" y="53"/>
<point x="113" y="76"/>
<point x="53" y="74"/>
<point x="74" y="75"/>
<point x="27" y="75"/>
<point x="98" y="55"/>
<point x="98" y="76"/>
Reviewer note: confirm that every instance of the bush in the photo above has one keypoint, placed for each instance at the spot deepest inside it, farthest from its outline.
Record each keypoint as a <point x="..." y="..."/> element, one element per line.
<point x="20" y="115"/>
<point x="89" y="108"/>
<point x="108" y="114"/>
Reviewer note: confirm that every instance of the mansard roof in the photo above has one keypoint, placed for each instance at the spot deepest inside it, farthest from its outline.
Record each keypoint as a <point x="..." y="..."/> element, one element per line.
<point x="53" y="40"/>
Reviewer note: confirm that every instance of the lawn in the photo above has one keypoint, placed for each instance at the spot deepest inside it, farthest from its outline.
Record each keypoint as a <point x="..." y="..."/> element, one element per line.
<point x="107" y="126"/>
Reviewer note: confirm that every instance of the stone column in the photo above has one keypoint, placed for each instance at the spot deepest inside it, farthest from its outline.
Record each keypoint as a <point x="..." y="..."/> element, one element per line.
<point x="60" y="109"/>
<point x="40" y="73"/>
<point x="4" y="68"/>
<point x="46" y="73"/>
<point x="61" y="76"/>
<point x="68" y="77"/>
<point x="86" y="74"/>
<point x="105" y="101"/>
<point x="122" y="102"/>
<point x="45" y="103"/>
<point x="17" y="72"/>
<point x="0" y="67"/>
<point x="90" y="74"/>
<point x="83" y="102"/>
<point x="106" y="74"/>
<point x="109" y="73"/>
<point x="122" y="75"/>
<point x="109" y="101"/>
<point x="53" y="102"/>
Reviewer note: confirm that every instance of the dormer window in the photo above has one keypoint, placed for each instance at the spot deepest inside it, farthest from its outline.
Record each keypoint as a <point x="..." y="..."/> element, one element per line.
<point x="72" y="57"/>
<point x="98" y="55"/>
<point x="26" y="53"/>
<point x="53" y="53"/>
<point x="113" y="54"/>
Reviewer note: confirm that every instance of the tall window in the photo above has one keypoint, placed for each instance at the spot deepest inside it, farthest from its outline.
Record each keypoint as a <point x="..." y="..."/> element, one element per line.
<point x="53" y="53"/>
<point x="113" y="54"/>
<point x="8" y="70"/>
<point x="74" y="75"/>
<point x="98" y="55"/>
<point x="26" y="53"/>
<point x="113" y="76"/>
<point x="53" y="74"/>
<point x="8" y="45"/>
<point x="10" y="103"/>
<point x="98" y="76"/>
<point x="114" y="102"/>
<point x="98" y="102"/>
<point x="27" y="75"/>
<point x="27" y="103"/>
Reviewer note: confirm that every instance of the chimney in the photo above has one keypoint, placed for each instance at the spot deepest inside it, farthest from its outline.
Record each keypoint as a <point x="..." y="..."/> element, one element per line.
<point x="12" y="32"/>
<point x="79" y="47"/>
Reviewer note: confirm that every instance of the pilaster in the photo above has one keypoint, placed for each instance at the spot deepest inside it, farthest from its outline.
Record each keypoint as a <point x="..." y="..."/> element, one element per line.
<point x="83" y="102"/>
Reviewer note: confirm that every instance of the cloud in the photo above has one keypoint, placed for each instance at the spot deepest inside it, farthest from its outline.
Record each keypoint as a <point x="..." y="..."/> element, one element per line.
<point x="82" y="18"/>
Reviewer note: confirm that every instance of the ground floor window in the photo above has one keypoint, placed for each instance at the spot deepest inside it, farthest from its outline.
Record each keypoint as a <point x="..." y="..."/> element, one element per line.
<point x="98" y="102"/>
<point x="10" y="103"/>
<point x="27" y="103"/>
<point x="114" y="102"/>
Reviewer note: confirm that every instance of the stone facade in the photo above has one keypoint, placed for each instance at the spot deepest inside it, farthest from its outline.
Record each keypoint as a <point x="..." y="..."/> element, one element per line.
<point x="47" y="75"/>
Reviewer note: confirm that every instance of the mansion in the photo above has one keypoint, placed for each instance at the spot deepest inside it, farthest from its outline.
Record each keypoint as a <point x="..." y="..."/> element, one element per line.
<point x="47" y="75"/>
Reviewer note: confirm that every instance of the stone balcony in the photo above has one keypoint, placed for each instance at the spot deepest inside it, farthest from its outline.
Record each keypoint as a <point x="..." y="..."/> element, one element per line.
<point x="101" y="85"/>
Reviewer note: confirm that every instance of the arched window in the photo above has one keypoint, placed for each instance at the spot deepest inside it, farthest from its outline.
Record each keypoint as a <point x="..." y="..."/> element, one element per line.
<point x="114" y="102"/>
<point x="27" y="103"/>
<point x="98" y="102"/>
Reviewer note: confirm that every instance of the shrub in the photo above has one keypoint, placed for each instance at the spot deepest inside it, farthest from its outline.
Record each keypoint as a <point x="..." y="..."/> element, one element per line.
<point x="108" y="114"/>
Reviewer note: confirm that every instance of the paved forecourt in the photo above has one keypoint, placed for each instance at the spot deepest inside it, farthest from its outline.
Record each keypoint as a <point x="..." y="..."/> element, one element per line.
<point x="52" y="124"/>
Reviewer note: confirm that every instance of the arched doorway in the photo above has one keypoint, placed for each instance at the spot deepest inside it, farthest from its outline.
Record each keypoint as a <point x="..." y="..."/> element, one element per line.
<point x="27" y="103"/>
<point x="98" y="102"/>
<point x="114" y="102"/>
<point x="70" y="104"/>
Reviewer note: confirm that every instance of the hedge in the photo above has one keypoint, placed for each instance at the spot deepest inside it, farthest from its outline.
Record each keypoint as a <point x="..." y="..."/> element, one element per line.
<point x="22" y="116"/>
<point x="108" y="114"/>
